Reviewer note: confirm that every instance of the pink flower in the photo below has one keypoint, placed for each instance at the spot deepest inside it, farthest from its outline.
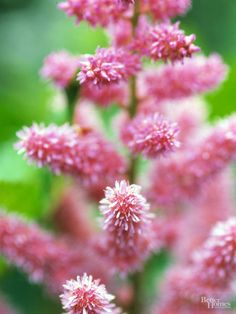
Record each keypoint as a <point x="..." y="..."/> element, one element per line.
<point x="44" y="258"/>
<point x="164" y="9"/>
<point x="107" y="94"/>
<point x="164" y="42"/>
<point x="60" y="68"/>
<point x="150" y="135"/>
<point x="216" y="260"/>
<point x="121" y="33"/>
<point x="85" y="295"/>
<point x="95" y="12"/>
<point x="71" y="151"/>
<point x="195" y="76"/>
<point x="108" y="66"/>
<point x="183" y="177"/>
<point x="127" y="226"/>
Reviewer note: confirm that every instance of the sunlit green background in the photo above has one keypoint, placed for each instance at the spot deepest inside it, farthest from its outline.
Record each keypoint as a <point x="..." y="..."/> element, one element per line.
<point x="29" y="30"/>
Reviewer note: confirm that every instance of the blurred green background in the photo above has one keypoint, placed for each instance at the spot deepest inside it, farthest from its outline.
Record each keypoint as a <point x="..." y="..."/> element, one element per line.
<point x="31" y="29"/>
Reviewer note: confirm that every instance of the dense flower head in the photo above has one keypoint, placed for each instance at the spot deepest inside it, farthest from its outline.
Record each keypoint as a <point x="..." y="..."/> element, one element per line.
<point x="150" y="135"/>
<point x="166" y="42"/>
<point x="60" y="68"/>
<point x="95" y="12"/>
<point x="86" y="295"/>
<point x="5" y="307"/>
<point x="120" y="33"/>
<point x="164" y="9"/>
<point x="108" y="66"/>
<point x="216" y="259"/>
<point x="67" y="150"/>
<point x="107" y="94"/>
<point x="127" y="222"/>
<point x="182" y="178"/>
<point x="196" y="76"/>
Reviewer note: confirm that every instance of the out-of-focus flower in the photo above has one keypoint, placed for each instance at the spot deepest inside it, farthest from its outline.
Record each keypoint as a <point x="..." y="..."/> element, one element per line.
<point x="127" y="226"/>
<point x="44" y="258"/>
<point x="195" y="76"/>
<point x="68" y="151"/>
<point x="165" y="9"/>
<point x="216" y="260"/>
<point x="181" y="178"/>
<point x="60" y="68"/>
<point x="95" y="12"/>
<point x="165" y="42"/>
<point x="150" y="135"/>
<point x="121" y="33"/>
<point x="106" y="95"/>
<point x="108" y="66"/>
<point x="86" y="295"/>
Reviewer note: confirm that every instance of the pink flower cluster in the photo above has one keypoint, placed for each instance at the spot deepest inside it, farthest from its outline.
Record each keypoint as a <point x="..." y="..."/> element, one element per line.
<point x="195" y="76"/>
<point x="128" y="238"/>
<point x="60" y="68"/>
<point x="85" y="295"/>
<point x="68" y="150"/>
<point x="5" y="308"/>
<point x="108" y="66"/>
<point x="150" y="135"/>
<point x="166" y="9"/>
<point x="182" y="177"/>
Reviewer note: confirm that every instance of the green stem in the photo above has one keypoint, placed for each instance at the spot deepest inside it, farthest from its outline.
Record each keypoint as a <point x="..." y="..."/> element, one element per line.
<point x="72" y="94"/>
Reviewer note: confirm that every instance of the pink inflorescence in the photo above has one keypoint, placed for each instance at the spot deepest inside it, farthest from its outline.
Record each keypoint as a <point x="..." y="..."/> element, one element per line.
<point x="69" y="150"/>
<point x="127" y="226"/>
<point x="5" y="307"/>
<point x="195" y="76"/>
<point x="164" y="9"/>
<point x="168" y="42"/>
<point x="60" y="68"/>
<point x="86" y="295"/>
<point x="95" y="12"/>
<point x="150" y="135"/>
<point x="108" y="66"/>
<point x="216" y="260"/>
<point x="179" y="179"/>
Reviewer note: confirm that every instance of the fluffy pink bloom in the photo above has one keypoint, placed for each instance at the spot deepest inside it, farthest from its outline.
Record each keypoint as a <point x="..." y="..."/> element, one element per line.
<point x="60" y="68"/>
<point x="107" y="94"/>
<point x="181" y="178"/>
<point x="164" y="9"/>
<point x="195" y="76"/>
<point x="68" y="150"/>
<point x="5" y="308"/>
<point x="95" y="12"/>
<point x="36" y="252"/>
<point x="216" y="260"/>
<point x="165" y="42"/>
<point x="85" y="295"/>
<point x="127" y="226"/>
<point x="150" y="135"/>
<point x="108" y="66"/>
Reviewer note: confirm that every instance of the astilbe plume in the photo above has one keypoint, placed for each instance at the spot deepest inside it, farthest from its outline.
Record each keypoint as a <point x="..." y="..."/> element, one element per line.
<point x="108" y="66"/>
<point x="195" y="76"/>
<point x="36" y="252"/>
<point x="95" y="12"/>
<point x="150" y="135"/>
<point x="162" y="10"/>
<point x="165" y="42"/>
<point x="60" y="68"/>
<point x="67" y="150"/>
<point x="128" y="238"/>
<point x="182" y="177"/>
<point x="86" y="295"/>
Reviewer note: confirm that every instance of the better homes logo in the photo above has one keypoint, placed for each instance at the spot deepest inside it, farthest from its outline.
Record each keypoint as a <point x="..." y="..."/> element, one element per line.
<point x="213" y="303"/>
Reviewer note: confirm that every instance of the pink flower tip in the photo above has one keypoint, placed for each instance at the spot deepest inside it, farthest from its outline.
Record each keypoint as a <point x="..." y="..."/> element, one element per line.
<point x="87" y="296"/>
<point x="150" y="135"/>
